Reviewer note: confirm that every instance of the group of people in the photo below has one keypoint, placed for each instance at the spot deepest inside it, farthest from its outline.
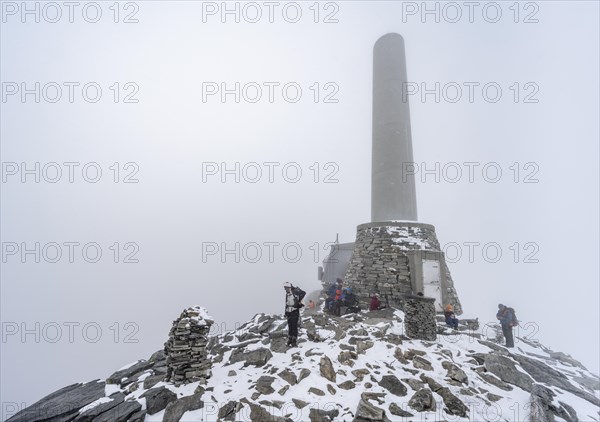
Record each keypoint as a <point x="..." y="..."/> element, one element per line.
<point x="505" y="314"/>
<point x="339" y="296"/>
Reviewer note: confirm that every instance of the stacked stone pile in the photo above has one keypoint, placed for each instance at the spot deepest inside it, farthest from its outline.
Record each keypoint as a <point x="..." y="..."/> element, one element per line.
<point x="420" y="321"/>
<point x="187" y="356"/>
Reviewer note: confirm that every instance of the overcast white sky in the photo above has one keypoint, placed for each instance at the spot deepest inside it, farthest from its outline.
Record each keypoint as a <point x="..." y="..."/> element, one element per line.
<point x="545" y="121"/>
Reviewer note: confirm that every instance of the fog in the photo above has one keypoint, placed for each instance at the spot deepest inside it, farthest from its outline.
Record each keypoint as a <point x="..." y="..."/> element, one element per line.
<point x="217" y="202"/>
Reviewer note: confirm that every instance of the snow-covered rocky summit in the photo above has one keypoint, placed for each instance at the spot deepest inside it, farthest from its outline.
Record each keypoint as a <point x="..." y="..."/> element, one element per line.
<point x="359" y="367"/>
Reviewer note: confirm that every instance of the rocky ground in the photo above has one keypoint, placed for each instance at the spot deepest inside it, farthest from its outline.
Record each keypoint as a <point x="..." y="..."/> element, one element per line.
<point x="359" y="367"/>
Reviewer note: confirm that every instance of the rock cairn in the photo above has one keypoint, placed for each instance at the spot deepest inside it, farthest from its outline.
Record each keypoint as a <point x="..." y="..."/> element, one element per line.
<point x="187" y="357"/>
<point x="420" y="322"/>
<point x="381" y="264"/>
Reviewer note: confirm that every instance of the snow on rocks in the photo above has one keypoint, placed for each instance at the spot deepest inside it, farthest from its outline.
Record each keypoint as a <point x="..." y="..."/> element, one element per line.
<point x="362" y="368"/>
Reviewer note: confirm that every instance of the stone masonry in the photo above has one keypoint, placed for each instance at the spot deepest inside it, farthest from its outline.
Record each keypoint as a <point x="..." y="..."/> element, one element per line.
<point x="420" y="320"/>
<point x="187" y="359"/>
<point x="387" y="259"/>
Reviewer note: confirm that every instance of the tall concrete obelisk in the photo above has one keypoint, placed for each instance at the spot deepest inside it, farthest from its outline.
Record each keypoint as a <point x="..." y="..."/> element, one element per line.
<point x="393" y="195"/>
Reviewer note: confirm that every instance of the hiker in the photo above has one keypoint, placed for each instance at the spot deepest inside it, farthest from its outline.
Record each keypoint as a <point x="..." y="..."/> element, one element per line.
<point x="331" y="295"/>
<point x="293" y="303"/>
<point x="311" y="304"/>
<point x="375" y="304"/>
<point x="337" y="303"/>
<point x="451" y="320"/>
<point x="349" y="301"/>
<point x="508" y="320"/>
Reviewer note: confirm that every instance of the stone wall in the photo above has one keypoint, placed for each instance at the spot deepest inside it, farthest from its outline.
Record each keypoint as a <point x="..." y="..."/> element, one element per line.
<point x="187" y="359"/>
<point x="419" y="322"/>
<point x="387" y="260"/>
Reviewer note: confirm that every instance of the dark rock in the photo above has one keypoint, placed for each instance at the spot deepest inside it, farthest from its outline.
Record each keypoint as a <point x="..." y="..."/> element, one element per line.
<point x="157" y="399"/>
<point x="422" y="363"/>
<point x="493" y="397"/>
<point x="422" y="401"/>
<point x="507" y="371"/>
<point x="263" y="385"/>
<point x="139" y="416"/>
<point x="90" y="414"/>
<point x="398" y="411"/>
<point x="120" y="413"/>
<point x="454" y="404"/>
<point x="547" y="375"/>
<point x="227" y="412"/>
<point x="289" y="376"/>
<point x="363" y="346"/>
<point x="259" y="414"/>
<point x="414" y="383"/>
<point x="433" y="384"/>
<point x="128" y="373"/>
<point x="455" y="373"/>
<point x="368" y="412"/>
<point x="257" y="357"/>
<point x="393" y="385"/>
<point x="299" y="403"/>
<point x="152" y="380"/>
<point x="303" y="374"/>
<point x="326" y="368"/>
<point x="494" y="380"/>
<point x="316" y="391"/>
<point x="64" y="402"/>
<point x="176" y="409"/>
<point x="318" y="415"/>
<point x="347" y="385"/>
<point x="360" y="373"/>
<point x="284" y="389"/>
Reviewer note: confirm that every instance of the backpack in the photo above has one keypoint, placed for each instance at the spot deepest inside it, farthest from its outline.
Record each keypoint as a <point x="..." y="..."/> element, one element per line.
<point x="514" y="321"/>
<point x="298" y="293"/>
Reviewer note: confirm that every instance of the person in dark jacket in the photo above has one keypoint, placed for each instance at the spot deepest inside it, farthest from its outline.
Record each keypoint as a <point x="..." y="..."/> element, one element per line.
<point x="292" y="313"/>
<point x="506" y="317"/>
<point x="451" y="319"/>
<point x="375" y="304"/>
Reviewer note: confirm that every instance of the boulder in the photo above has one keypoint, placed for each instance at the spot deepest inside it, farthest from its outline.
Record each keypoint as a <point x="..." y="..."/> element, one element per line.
<point x="257" y="357"/>
<point x="422" y="401"/>
<point x="120" y="413"/>
<point x="454" y="405"/>
<point x="90" y="414"/>
<point x="366" y="412"/>
<point x="304" y="372"/>
<point x="300" y="404"/>
<point x="326" y="368"/>
<point x="506" y="370"/>
<point x="65" y="402"/>
<point x="289" y="376"/>
<point x="318" y="415"/>
<point x="175" y="410"/>
<point x="393" y="385"/>
<point x="347" y="385"/>
<point x="455" y="373"/>
<point x="130" y="372"/>
<point x="259" y="414"/>
<point x="263" y="385"/>
<point x="228" y="411"/>
<point x="157" y="399"/>
<point x="316" y="391"/>
<point x="398" y="411"/>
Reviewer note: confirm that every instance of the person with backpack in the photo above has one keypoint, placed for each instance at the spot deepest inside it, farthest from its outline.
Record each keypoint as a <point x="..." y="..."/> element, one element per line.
<point x="508" y="320"/>
<point x="293" y="303"/>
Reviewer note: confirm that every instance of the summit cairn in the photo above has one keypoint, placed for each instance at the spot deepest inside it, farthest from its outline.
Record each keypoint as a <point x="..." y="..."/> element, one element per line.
<point x="187" y="357"/>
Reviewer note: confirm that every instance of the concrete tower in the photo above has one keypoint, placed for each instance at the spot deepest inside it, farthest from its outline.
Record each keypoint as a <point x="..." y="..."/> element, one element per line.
<point x="393" y="195"/>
